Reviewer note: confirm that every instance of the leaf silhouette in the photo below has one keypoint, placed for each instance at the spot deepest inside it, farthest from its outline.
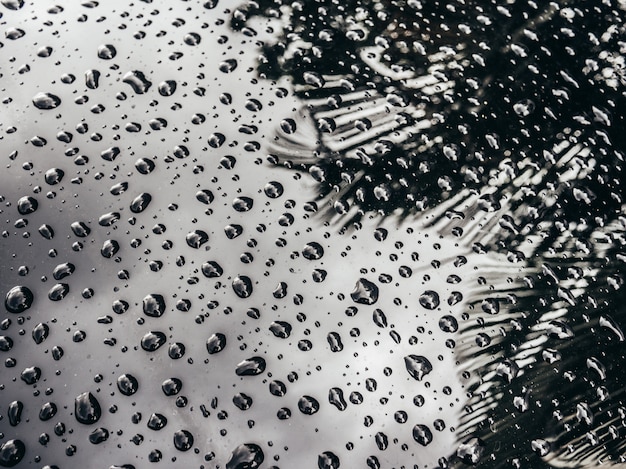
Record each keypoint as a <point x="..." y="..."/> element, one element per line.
<point x="499" y="123"/>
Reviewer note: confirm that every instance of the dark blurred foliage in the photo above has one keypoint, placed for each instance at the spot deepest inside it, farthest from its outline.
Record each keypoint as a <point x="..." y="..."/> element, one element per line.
<point x="505" y="120"/>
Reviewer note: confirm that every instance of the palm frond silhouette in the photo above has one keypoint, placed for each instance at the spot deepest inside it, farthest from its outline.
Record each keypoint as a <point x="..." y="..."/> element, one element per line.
<point x="501" y="123"/>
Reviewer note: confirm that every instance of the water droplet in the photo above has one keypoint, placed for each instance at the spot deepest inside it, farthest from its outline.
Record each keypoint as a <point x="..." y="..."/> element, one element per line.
<point x="87" y="409"/>
<point x="470" y="451"/>
<point x="335" y="397"/>
<point x="334" y="340"/>
<point x="242" y="285"/>
<point x="205" y="196"/>
<point x="167" y="88"/>
<point x="14" y="412"/>
<point x="448" y="324"/>
<point x="280" y="329"/>
<point x="140" y="203"/>
<point x="228" y="65"/>
<point x="40" y="333"/>
<point x="31" y="375"/>
<point x="11" y="453"/>
<point x="365" y="292"/>
<point x="106" y="52"/>
<point x="251" y="367"/>
<point x="27" y="205"/>
<point x="137" y="81"/>
<point x="418" y="366"/>
<point x="58" y="291"/>
<point x="216" y="343"/>
<point x="18" y="299"/>
<point x="313" y="251"/>
<point x="308" y="405"/>
<point x="422" y="434"/>
<point x="328" y="460"/>
<point x="127" y="384"/>
<point x="154" y="305"/>
<point x="153" y="340"/>
<point x="246" y="456"/>
<point x="429" y="299"/>
<point x="242" y="401"/>
<point x="183" y="440"/>
<point x="196" y="238"/>
<point x="156" y="422"/>
<point x="46" y="101"/>
<point x="99" y="435"/>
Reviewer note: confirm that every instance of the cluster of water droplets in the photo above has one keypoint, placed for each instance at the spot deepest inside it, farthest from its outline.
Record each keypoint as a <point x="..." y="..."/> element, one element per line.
<point x="168" y="295"/>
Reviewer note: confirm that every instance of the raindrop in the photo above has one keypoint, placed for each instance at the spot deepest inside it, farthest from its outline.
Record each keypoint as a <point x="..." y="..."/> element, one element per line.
<point x="418" y="366"/>
<point x="183" y="440"/>
<point x="365" y="292"/>
<point x="242" y="401"/>
<point x="127" y="384"/>
<point x="14" y="412"/>
<point x="27" y="205"/>
<point x="40" y="333"/>
<point x="228" y="65"/>
<point x="167" y="88"/>
<point x="106" y="52"/>
<point x="195" y="239"/>
<point x="328" y="460"/>
<point x="156" y="422"/>
<point x="216" y="343"/>
<point x="313" y="251"/>
<point x="87" y="409"/>
<point x="58" y="291"/>
<point x="280" y="329"/>
<point x="46" y="101"/>
<point x="140" y="203"/>
<point x="308" y="405"/>
<point x="154" y="305"/>
<point x="11" y="453"/>
<point x="470" y="451"/>
<point x="429" y="299"/>
<point x="251" y="367"/>
<point x="18" y="299"/>
<point x="153" y="340"/>
<point x="137" y="81"/>
<point x="212" y="269"/>
<point x="246" y="456"/>
<point x="335" y="397"/>
<point x="242" y="286"/>
<point x="334" y="340"/>
<point x="422" y="434"/>
<point x="448" y="324"/>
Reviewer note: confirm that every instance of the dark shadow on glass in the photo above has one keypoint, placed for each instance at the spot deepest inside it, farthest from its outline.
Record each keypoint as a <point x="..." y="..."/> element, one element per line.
<point x="500" y="123"/>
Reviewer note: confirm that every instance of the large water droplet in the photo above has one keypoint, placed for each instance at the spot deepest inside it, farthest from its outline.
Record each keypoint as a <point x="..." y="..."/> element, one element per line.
<point x="127" y="384"/>
<point x="328" y="460"/>
<point x="470" y="451"/>
<point x="137" y="81"/>
<point x="422" y="434"/>
<point x="365" y="292"/>
<point x="11" y="453"/>
<point x="154" y="305"/>
<point x="242" y="286"/>
<point x="87" y="409"/>
<point x="429" y="299"/>
<point x="308" y="405"/>
<point x="18" y="299"/>
<point x="246" y="456"/>
<point x="183" y="440"/>
<point x="418" y="366"/>
<point x="46" y="101"/>
<point x="251" y="367"/>
<point x="216" y="343"/>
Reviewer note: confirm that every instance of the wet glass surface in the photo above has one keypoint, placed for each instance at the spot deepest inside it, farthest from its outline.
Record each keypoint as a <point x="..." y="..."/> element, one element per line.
<point x="324" y="234"/>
